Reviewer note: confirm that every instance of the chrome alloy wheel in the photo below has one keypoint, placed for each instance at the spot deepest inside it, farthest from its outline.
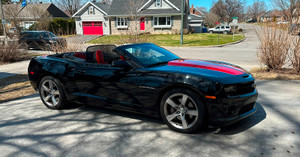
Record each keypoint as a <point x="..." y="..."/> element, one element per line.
<point x="181" y="111"/>
<point x="50" y="93"/>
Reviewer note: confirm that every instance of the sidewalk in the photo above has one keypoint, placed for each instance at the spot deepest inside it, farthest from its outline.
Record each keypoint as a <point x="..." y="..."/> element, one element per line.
<point x="8" y="70"/>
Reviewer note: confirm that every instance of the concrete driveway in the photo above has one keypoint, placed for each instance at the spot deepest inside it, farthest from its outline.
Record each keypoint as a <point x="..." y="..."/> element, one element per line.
<point x="27" y="128"/>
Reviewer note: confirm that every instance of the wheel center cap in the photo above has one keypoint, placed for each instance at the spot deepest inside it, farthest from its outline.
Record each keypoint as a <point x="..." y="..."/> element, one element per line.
<point x="182" y="110"/>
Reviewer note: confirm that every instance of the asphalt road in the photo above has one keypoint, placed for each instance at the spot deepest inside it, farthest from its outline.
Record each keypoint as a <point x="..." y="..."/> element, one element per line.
<point x="27" y="128"/>
<point x="242" y="54"/>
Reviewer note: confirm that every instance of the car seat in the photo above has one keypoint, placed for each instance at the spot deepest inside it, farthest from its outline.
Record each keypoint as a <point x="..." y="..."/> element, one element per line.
<point x="99" y="57"/>
<point x="80" y="55"/>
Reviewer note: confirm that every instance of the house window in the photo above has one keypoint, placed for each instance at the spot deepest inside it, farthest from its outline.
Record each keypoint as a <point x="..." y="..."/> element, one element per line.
<point x="91" y="10"/>
<point x="158" y="3"/>
<point x="122" y="22"/>
<point x="162" y="21"/>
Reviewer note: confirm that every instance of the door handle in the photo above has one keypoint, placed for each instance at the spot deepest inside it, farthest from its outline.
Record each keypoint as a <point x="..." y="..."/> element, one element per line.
<point x="81" y="71"/>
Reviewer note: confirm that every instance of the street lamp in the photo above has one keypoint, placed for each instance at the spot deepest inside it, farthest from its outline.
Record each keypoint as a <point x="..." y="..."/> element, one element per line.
<point x="182" y="14"/>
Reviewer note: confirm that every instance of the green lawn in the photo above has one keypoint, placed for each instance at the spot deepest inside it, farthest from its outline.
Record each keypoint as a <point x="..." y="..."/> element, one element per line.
<point x="199" y="39"/>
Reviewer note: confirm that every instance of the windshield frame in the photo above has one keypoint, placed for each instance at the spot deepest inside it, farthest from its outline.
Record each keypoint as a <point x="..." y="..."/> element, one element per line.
<point x="124" y="47"/>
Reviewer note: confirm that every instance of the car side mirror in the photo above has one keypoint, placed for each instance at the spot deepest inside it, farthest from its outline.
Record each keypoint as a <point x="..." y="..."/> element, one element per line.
<point x="121" y="64"/>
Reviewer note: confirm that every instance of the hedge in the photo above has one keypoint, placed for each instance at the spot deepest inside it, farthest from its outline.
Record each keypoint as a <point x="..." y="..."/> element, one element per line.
<point x="58" y="26"/>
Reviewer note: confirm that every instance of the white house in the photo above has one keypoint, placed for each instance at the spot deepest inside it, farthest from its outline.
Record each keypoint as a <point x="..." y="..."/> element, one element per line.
<point x="154" y="16"/>
<point x="91" y="20"/>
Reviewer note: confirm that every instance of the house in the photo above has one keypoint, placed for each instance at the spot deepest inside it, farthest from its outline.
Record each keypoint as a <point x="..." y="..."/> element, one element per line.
<point x="30" y="14"/>
<point x="123" y="16"/>
<point x="196" y="20"/>
<point x="196" y="11"/>
<point x="91" y="19"/>
<point x="273" y="16"/>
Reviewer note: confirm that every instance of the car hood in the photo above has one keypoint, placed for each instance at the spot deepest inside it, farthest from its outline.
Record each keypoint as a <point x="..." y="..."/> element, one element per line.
<point x="55" y="38"/>
<point x="211" y="70"/>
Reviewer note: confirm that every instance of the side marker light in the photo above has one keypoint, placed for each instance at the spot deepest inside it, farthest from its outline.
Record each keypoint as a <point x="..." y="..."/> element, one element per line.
<point x="210" y="97"/>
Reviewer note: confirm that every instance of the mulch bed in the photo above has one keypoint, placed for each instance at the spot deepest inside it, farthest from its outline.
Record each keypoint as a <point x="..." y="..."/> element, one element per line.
<point x="283" y="74"/>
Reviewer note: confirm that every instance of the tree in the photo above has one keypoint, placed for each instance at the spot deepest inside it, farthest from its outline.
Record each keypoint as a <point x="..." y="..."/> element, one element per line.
<point x="211" y="19"/>
<point x="234" y="8"/>
<point x="203" y="9"/>
<point x="70" y="6"/>
<point x="219" y="9"/>
<point x="134" y="20"/>
<point x="226" y="9"/>
<point x="256" y="9"/>
<point x="5" y="1"/>
<point x="289" y="8"/>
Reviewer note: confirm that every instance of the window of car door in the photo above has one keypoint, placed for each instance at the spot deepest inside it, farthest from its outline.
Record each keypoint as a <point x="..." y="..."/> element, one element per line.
<point x="108" y="54"/>
<point x="222" y="27"/>
<point x="217" y="28"/>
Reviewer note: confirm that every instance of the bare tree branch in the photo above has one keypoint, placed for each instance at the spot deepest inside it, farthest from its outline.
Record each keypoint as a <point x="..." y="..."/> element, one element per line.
<point x="69" y="6"/>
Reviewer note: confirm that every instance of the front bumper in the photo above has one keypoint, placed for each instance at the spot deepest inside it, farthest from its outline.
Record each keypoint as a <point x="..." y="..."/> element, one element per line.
<point x="226" y="111"/>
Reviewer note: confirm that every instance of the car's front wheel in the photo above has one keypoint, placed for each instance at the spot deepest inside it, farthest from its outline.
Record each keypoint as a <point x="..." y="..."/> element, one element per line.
<point x="52" y="93"/>
<point x="182" y="110"/>
<point x="211" y="32"/>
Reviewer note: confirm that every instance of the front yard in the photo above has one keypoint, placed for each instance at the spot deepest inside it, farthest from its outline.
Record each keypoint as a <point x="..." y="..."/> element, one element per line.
<point x="200" y="39"/>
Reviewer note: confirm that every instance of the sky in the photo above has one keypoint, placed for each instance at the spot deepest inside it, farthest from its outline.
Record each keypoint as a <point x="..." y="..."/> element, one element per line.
<point x="208" y="3"/>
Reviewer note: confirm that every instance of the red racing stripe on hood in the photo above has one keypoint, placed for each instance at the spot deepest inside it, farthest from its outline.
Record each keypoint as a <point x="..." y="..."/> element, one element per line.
<point x="207" y="65"/>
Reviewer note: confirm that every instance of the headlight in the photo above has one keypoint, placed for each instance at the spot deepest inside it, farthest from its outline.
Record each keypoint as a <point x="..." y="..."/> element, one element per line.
<point x="52" y="41"/>
<point x="230" y="89"/>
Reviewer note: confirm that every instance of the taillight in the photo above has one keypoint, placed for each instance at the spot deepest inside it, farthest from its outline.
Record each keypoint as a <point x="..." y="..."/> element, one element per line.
<point x="31" y="72"/>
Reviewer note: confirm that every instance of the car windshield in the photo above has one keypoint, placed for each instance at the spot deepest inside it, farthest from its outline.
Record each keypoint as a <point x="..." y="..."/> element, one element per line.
<point x="47" y="34"/>
<point x="149" y="54"/>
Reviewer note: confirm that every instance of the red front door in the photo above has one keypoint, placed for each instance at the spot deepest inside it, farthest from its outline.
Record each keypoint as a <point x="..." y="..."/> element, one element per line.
<point x="142" y="24"/>
<point x="92" y="28"/>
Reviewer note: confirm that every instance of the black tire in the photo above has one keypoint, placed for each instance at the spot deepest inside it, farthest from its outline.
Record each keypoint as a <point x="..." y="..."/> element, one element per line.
<point x="193" y="111"/>
<point x="211" y="32"/>
<point x="225" y="32"/>
<point x="24" y="46"/>
<point x="53" y="98"/>
<point x="47" y="47"/>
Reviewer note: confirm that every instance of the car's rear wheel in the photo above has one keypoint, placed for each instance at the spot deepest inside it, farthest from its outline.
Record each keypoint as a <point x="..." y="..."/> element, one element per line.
<point x="24" y="46"/>
<point x="225" y="32"/>
<point x="52" y="93"/>
<point x="47" y="47"/>
<point x="211" y="32"/>
<point x="182" y="110"/>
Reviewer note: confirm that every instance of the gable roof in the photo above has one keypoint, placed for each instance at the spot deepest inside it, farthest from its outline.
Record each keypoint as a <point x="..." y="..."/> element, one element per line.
<point x="103" y="7"/>
<point x="195" y="17"/>
<point x="33" y="11"/>
<point x="122" y="7"/>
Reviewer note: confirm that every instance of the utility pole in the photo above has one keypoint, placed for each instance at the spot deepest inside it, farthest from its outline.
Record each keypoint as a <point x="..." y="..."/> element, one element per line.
<point x="3" y="20"/>
<point x="182" y="14"/>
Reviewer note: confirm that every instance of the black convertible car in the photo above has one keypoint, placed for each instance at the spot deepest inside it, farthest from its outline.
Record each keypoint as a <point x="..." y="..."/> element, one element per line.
<point x="145" y="78"/>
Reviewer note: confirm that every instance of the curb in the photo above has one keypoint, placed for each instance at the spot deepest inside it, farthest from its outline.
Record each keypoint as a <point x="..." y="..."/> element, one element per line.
<point x="211" y="46"/>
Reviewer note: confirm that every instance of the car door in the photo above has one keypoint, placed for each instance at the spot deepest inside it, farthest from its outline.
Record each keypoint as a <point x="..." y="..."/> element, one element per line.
<point x="101" y="84"/>
<point x="222" y="29"/>
<point x="217" y="29"/>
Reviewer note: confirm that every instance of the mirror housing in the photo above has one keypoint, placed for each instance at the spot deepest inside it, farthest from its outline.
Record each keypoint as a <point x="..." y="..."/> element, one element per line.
<point x="121" y="64"/>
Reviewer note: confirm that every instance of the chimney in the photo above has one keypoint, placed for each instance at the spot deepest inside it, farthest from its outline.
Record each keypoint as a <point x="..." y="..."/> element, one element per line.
<point x="192" y="9"/>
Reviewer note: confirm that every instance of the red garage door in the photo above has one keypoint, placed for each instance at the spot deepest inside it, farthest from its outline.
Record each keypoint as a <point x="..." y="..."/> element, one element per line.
<point x="92" y="28"/>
